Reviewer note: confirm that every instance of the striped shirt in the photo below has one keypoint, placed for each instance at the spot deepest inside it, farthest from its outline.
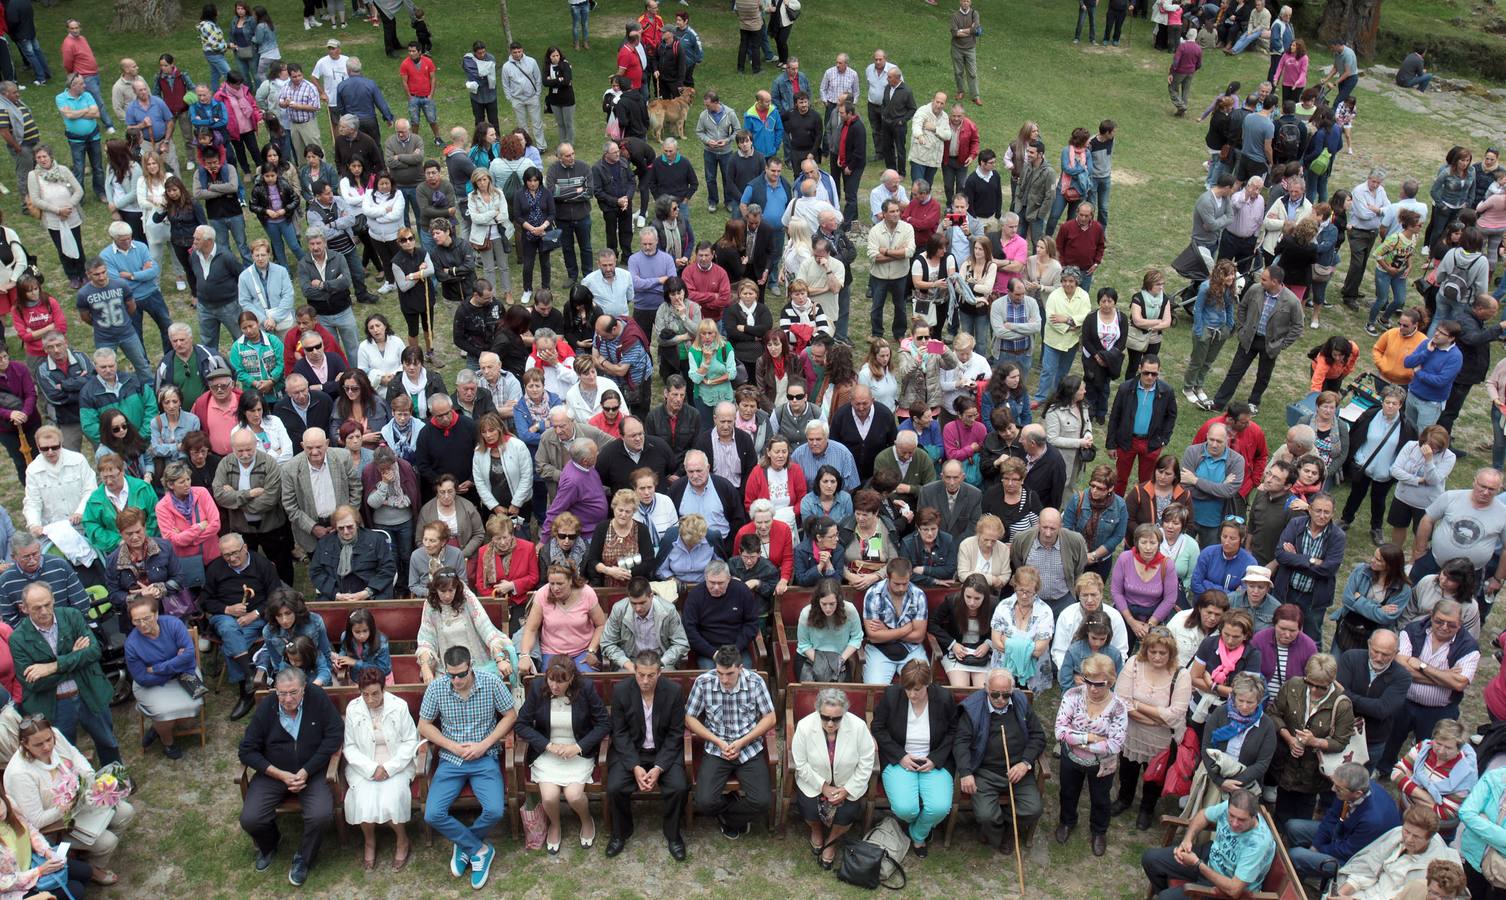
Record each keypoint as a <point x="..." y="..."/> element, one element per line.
<point x="1436" y="656"/>
<point x="67" y="590"/>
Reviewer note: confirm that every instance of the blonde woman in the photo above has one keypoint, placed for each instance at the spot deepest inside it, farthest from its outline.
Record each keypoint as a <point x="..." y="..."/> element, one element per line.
<point x="980" y="272"/>
<point x="149" y="197"/>
<point x="797" y="249"/>
<point x="985" y="553"/>
<point x="1156" y="688"/>
<point x="1090" y="724"/>
<point x="491" y="229"/>
<point x="712" y="366"/>
<point x="1043" y="269"/>
<point x="54" y="191"/>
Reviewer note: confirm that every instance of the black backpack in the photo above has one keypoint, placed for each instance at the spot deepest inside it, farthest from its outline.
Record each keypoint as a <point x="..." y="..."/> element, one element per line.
<point x="1288" y="142"/>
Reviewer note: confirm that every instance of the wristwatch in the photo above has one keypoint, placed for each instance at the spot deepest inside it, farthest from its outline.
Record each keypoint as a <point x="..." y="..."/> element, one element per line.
<point x="1422" y="666"/>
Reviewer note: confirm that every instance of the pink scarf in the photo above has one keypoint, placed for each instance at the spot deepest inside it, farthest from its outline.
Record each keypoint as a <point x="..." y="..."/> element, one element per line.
<point x="1228" y="661"/>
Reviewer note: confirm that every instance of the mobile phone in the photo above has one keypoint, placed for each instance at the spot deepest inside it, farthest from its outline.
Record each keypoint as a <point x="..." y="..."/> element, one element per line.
<point x="63" y="848"/>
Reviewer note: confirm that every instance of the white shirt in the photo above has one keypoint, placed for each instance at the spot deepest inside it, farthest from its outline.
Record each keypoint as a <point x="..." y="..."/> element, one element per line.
<point x="330" y="73"/>
<point x="917" y="731"/>
<point x="324" y="491"/>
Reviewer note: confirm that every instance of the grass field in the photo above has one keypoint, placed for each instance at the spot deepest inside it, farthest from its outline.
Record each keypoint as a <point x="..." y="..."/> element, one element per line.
<point x="187" y="842"/>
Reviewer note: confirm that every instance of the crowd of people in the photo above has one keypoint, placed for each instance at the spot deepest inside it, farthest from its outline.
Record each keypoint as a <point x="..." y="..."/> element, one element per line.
<point x="947" y="526"/>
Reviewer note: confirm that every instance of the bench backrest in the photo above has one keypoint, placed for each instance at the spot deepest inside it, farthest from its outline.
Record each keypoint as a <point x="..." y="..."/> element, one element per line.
<point x="397" y="620"/>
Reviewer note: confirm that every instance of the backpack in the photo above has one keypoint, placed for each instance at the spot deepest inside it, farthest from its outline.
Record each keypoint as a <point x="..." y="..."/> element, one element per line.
<point x="1321" y="162"/>
<point x="1288" y="142"/>
<point x="1456" y="286"/>
<point x="512" y="185"/>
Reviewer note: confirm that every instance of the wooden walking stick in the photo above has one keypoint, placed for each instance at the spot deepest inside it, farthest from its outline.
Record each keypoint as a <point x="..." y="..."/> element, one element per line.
<point x="1014" y="822"/>
<point x="428" y="324"/>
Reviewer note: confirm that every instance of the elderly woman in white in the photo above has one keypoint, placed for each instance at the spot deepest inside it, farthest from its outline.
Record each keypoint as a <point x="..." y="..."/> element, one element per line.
<point x="833" y="753"/>
<point x="381" y="743"/>
<point x="1383" y="867"/>
<point x="42" y="779"/>
<point x="58" y="483"/>
<point x="985" y="553"/>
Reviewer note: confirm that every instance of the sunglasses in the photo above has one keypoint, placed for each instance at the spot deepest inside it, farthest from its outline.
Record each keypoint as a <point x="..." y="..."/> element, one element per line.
<point x="405" y="240"/>
<point x="1236" y="520"/>
<point x="998" y="695"/>
<point x="567" y="537"/>
<point x="460" y="676"/>
<point x="610" y="409"/>
<point x="1095" y="684"/>
<point x="53" y="448"/>
<point x="308" y="348"/>
<point x="832" y="720"/>
<point x="794" y="396"/>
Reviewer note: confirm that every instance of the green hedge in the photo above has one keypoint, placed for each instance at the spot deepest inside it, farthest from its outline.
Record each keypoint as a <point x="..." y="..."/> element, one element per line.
<point x="1450" y="29"/>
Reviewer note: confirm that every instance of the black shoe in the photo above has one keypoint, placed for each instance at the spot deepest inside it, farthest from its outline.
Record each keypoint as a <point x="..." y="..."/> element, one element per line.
<point x="1120" y="806"/>
<point x="615" y="845"/>
<point x="369" y="299"/>
<point x="732" y="833"/>
<point x="1371" y="329"/>
<point x="299" y="873"/>
<point x="173" y="751"/>
<point x="1063" y="833"/>
<point x="1352" y="302"/>
<point x="1377" y="537"/>
<point x="264" y="860"/>
<point x="1460" y="452"/>
<point x="1143" y="821"/>
<point x="149" y="738"/>
<point x="677" y="850"/>
<point x="1100" y="844"/>
<point x="244" y="705"/>
<point x="920" y="850"/>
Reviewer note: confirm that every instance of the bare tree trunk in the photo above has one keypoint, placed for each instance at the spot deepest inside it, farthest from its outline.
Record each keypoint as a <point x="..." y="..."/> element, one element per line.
<point x="154" y="16"/>
<point x="506" y="21"/>
<point x="1356" y="21"/>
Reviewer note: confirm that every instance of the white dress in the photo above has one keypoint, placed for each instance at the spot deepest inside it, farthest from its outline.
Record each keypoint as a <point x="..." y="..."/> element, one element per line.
<point x="368" y="745"/>
<point x="549" y="768"/>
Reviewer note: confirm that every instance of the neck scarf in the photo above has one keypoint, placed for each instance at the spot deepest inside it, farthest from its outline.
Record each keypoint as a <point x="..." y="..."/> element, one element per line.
<point x="1228" y="661"/>
<point x="184" y="507"/>
<point x="1098" y="507"/>
<point x="1237" y="723"/>
<point x="1154" y="562"/>
<point x="346" y="549"/>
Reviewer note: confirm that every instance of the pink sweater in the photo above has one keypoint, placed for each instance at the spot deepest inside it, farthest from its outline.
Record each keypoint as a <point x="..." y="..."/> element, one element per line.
<point x="957" y="439"/>
<point x="1130" y="591"/>
<point x="183" y="532"/>
<point x="1292" y="71"/>
<point x="1492" y="211"/>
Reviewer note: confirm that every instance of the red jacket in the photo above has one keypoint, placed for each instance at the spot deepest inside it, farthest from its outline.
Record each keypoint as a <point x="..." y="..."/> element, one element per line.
<point x="967" y="144"/>
<point x="781" y="544"/>
<point x="1250" y="444"/>
<point x="522" y="570"/>
<point x="1080" y="247"/>
<point x="925" y="218"/>
<point x="711" y="289"/>
<point x="757" y="486"/>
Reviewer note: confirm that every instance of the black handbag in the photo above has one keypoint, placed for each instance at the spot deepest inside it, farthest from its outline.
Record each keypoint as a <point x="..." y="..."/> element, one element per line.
<point x="862" y="863"/>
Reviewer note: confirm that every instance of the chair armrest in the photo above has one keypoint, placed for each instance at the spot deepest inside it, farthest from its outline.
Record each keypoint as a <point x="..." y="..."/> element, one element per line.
<point x="332" y="771"/>
<point x="759" y="651"/>
<point x="1203" y="890"/>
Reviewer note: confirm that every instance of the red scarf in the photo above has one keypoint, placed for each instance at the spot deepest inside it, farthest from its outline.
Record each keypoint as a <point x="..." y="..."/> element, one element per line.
<point x="1154" y="562"/>
<point x="445" y="429"/>
<point x="779" y="365"/>
<point x="562" y="348"/>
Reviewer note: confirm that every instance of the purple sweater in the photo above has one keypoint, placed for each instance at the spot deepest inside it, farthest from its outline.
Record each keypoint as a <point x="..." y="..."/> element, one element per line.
<point x="582" y="493"/>
<point x="1297" y="655"/>
<point x="1130" y="591"/>
<point x="648" y="291"/>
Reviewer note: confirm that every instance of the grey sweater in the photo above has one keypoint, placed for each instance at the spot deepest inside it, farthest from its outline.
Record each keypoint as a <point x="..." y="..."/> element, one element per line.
<point x="1210" y="216"/>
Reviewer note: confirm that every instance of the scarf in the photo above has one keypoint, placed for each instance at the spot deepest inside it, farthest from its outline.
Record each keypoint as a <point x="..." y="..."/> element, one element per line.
<point x="347" y="548"/>
<point x="1237" y="723"/>
<point x="1302" y="491"/>
<point x="185" y="506"/>
<point x="778" y="364"/>
<point x="445" y="429"/>
<point x="1154" y="562"/>
<point x="564" y="354"/>
<point x="1228" y="661"/>
<point x="538" y="410"/>
<point x="1098" y="507"/>
<point x="404" y="436"/>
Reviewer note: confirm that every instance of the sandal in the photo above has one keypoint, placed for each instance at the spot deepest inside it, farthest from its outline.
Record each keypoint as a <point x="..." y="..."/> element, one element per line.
<point x="368" y="859"/>
<point x="399" y="860"/>
<point x="104" y="877"/>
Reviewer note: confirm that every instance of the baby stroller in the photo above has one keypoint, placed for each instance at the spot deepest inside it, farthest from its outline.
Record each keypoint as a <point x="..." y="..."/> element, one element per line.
<point x="1194" y="264"/>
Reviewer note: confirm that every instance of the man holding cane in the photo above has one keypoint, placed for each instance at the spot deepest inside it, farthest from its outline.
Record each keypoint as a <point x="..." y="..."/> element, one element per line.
<point x="998" y="742"/>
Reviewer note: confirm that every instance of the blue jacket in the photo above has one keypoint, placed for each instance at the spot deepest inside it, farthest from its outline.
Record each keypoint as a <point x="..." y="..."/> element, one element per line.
<point x="784" y="92"/>
<point x="1111" y="524"/>
<point x="1331" y="137"/>
<point x="975" y="709"/>
<point x="1204" y="317"/>
<point x="1328" y="244"/>
<point x="1371" y="819"/>
<point x="768" y="135"/>
<point x="271" y="659"/>
<point x="1078" y="174"/>
<point x="1433" y="371"/>
<point x="1324" y="575"/>
<point x="940" y="562"/>
<point x="1078" y="651"/>
<point x="374" y="655"/>
<point x="1356" y="598"/>
<point x="1212" y="572"/>
<point x="523" y="420"/>
<point x="806" y="573"/>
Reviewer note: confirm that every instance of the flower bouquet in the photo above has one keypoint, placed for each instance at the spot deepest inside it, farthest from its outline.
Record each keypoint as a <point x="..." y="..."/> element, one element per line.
<point x="96" y="798"/>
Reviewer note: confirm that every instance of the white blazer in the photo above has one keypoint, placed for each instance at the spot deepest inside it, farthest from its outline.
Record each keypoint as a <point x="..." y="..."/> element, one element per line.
<point x="517" y="465"/>
<point x="968" y="561"/>
<point x="398" y="729"/>
<point x="854" y="760"/>
<point x="55" y="492"/>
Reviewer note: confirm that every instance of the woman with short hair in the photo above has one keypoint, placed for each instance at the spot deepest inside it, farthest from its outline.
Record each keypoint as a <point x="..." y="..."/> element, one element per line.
<point x="163" y="662"/>
<point x="914" y="724"/>
<point x="380" y="754"/>
<point x="985" y="553"/>
<point x="1090" y="724"/>
<point x="833" y="753"/>
<point x="1220" y="658"/>
<point x="620" y="549"/>
<point x="1438" y="772"/>
<point x="563" y="722"/>
<point x="1021" y="630"/>
<point x="1312" y="717"/>
<point x="143" y="566"/>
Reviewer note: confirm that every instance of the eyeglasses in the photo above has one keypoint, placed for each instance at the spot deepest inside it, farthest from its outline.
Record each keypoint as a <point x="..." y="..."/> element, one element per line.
<point x="610" y="409"/>
<point x="405" y="240"/>
<point x="460" y="676"/>
<point x="352" y="387"/>
<point x="1150" y="374"/>
<point x="295" y="692"/>
<point x="1095" y="684"/>
<point x="567" y="537"/>
<point x="831" y="720"/>
<point x="998" y="695"/>
<point x="121" y="429"/>
<point x="308" y="347"/>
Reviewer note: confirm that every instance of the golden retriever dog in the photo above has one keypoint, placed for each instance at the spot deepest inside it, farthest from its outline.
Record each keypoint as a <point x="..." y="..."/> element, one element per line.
<point x="670" y="112"/>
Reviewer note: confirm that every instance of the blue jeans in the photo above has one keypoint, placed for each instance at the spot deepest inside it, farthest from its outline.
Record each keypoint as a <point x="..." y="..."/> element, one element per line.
<point x="1396" y="285"/>
<point x="1346" y="87"/>
<point x="918" y="172"/>
<point x="1055" y="364"/>
<point x="1216" y="167"/>
<point x="1022" y="359"/>
<point x="485" y="778"/>
<point x="1299" y="838"/>
<point x="410" y="204"/>
<point x="212" y="317"/>
<point x="72" y="713"/>
<point x="1420" y="82"/>
<point x="218" y="69"/>
<point x="420" y="108"/>
<point x="232" y="227"/>
<point x="1087" y="11"/>
<point x="1498" y="438"/>
<point x="91" y="87"/>
<point x="1422" y="413"/>
<point x="133" y="349"/>
<point x="236" y="641"/>
<point x="153" y="305"/>
<point x="343" y="324"/>
<point x="580" y="18"/>
<point x="713" y="163"/>
<point x="33" y="53"/>
<point x="921" y="799"/>
<point x="1101" y="188"/>
<point x="895" y="288"/>
<point x="880" y="669"/>
<point x="78" y="150"/>
<point x="844" y="308"/>
<point x="1245" y="40"/>
<point x="282" y="231"/>
<point x="1060" y="205"/>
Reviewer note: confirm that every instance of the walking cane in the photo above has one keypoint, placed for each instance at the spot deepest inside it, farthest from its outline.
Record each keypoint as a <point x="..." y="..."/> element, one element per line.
<point x="428" y="324"/>
<point x="1014" y="822"/>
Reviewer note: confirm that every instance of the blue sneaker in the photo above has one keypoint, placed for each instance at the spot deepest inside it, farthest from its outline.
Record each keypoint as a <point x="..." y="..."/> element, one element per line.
<point x="481" y="866"/>
<point x="299" y="873"/>
<point x="459" y="861"/>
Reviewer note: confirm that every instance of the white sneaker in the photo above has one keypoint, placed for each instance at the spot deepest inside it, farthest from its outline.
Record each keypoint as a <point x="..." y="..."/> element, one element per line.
<point x="182" y="285"/>
<point x="527" y="298"/>
<point x="386" y="288"/>
<point x="1190" y="394"/>
<point x="110" y="130"/>
<point x="1202" y="396"/>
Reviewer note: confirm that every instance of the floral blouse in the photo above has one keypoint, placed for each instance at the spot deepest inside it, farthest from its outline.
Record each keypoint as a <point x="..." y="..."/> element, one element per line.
<point x="18" y="879"/>
<point x="1074" y="724"/>
<point x="428" y="640"/>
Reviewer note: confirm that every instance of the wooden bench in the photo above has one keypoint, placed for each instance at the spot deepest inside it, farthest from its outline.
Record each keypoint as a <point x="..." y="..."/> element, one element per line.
<point x="201" y="730"/>
<point x="397" y="620"/>
<point x="1281" y="880"/>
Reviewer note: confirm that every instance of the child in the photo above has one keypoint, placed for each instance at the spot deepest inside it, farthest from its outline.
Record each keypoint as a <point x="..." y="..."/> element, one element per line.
<point x="362" y="647"/>
<point x="1344" y="118"/>
<point x="288" y="618"/>
<point x="1092" y="637"/>
<point x="421" y="32"/>
<point x="300" y="653"/>
<point x="759" y="574"/>
<point x="926" y="430"/>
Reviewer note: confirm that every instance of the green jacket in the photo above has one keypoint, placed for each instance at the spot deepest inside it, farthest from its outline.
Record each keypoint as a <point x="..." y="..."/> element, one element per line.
<point x="135" y="399"/>
<point x="28" y="647"/>
<point x="99" y="515"/>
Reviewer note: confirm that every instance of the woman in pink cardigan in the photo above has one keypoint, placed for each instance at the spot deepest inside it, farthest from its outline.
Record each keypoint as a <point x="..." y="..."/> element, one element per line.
<point x="187" y="516"/>
<point x="1291" y="71"/>
<point x="962" y="438"/>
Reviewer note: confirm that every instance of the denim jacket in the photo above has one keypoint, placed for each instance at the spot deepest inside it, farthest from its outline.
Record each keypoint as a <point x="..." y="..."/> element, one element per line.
<point x="1204" y="318"/>
<point x="166" y="439"/>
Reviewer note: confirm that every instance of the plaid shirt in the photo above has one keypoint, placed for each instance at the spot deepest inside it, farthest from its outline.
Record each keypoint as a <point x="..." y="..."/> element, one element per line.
<point x="1015" y="313"/>
<point x="304" y="94"/>
<point x="636" y="358"/>
<point x="468" y="720"/>
<point x="1312" y="548"/>
<point x="730" y="714"/>
<point x="879" y="606"/>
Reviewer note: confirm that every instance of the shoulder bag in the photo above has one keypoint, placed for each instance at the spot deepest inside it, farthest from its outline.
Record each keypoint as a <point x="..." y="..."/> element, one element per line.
<point x="872" y="862"/>
<point x="1352" y="471"/>
<point x="1356" y="751"/>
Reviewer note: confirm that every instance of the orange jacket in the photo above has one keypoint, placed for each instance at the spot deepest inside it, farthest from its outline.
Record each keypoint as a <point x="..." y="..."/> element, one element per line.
<point x="1323" y="370"/>
<point x="1389" y="352"/>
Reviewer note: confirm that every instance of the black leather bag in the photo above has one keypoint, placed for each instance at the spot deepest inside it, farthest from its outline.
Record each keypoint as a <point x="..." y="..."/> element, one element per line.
<point x="862" y="863"/>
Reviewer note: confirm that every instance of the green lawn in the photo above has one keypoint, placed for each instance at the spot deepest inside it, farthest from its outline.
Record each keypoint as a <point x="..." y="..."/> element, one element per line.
<point x="187" y="843"/>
